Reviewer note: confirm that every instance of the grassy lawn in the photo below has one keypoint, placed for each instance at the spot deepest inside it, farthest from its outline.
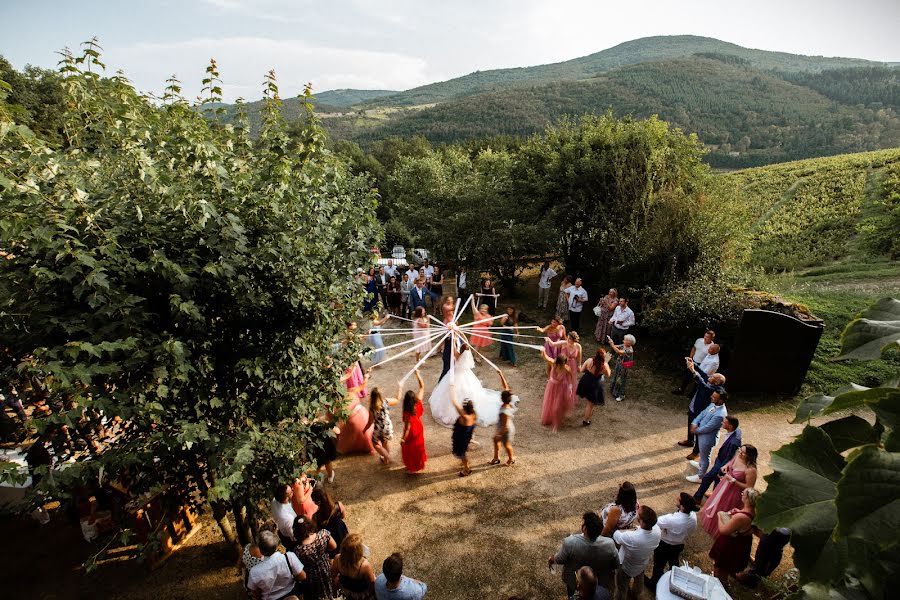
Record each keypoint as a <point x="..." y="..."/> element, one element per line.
<point x="836" y="293"/>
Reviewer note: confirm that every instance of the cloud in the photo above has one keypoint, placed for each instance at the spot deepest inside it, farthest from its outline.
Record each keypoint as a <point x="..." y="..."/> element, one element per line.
<point x="244" y="61"/>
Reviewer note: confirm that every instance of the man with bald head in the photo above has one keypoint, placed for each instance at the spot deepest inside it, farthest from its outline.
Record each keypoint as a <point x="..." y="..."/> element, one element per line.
<point x="706" y="386"/>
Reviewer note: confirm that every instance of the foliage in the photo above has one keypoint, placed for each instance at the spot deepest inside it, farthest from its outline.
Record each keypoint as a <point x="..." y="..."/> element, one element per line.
<point x="803" y="213"/>
<point x="166" y="270"/>
<point x="836" y="486"/>
<point x="465" y="210"/>
<point x="875" y="85"/>
<point x="35" y="99"/>
<point x="880" y="230"/>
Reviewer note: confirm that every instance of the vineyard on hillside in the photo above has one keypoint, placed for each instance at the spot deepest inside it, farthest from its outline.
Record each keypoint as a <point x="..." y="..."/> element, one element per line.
<point x="810" y="212"/>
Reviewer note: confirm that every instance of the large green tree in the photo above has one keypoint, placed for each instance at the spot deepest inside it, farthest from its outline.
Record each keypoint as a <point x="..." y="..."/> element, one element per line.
<point x="166" y="269"/>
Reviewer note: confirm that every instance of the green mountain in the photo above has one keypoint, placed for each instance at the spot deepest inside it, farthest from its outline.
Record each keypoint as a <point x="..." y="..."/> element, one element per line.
<point x="629" y="53"/>
<point x="348" y="97"/>
<point x="744" y="116"/>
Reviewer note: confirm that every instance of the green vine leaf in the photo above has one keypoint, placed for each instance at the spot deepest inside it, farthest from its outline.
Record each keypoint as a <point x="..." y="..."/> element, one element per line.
<point x="850" y="432"/>
<point x="868" y="496"/>
<point x="873" y="332"/>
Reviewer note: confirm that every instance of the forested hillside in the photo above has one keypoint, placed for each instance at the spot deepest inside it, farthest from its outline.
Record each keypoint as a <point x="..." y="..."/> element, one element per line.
<point x="628" y="53"/>
<point x="744" y="116"/>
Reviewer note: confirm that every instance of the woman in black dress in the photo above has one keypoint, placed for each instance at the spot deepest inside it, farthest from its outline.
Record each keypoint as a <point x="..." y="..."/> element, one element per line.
<point x="489" y="295"/>
<point x="463" y="429"/>
<point x="590" y="387"/>
<point x="330" y="516"/>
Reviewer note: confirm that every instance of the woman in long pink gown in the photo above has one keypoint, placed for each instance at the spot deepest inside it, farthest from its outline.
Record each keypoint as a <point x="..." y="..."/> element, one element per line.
<point x="354" y="436"/>
<point x="740" y="474"/>
<point x="555" y="331"/>
<point x="559" y="402"/>
<point x="571" y="350"/>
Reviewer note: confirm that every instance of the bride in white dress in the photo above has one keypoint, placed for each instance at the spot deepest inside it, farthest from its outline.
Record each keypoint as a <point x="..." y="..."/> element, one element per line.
<point x="487" y="402"/>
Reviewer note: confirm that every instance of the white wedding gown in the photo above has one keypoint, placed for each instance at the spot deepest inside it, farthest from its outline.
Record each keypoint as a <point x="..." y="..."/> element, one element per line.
<point x="487" y="402"/>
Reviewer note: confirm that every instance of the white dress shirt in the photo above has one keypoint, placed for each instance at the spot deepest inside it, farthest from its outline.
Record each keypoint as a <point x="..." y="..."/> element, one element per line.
<point x="272" y="577"/>
<point x="284" y="515"/>
<point x="413" y="275"/>
<point x="635" y="548"/>
<point x="710" y="364"/>
<point x="701" y="349"/>
<point x="577" y="292"/>
<point x="674" y="528"/>
<point x="390" y="271"/>
<point x="462" y="280"/>
<point x="429" y="272"/>
<point x="546" y="276"/>
<point x="623" y="318"/>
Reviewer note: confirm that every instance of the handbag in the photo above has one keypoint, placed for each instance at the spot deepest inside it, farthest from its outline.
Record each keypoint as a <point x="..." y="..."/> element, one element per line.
<point x="597" y="311"/>
<point x="627" y="364"/>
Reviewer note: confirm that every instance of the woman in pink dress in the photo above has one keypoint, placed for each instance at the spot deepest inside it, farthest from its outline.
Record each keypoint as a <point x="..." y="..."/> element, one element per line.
<point x="354" y="436"/>
<point x="738" y="475"/>
<point x="480" y="332"/>
<point x="555" y="331"/>
<point x="301" y="499"/>
<point x="448" y="307"/>
<point x="558" y="398"/>
<point x="571" y="350"/>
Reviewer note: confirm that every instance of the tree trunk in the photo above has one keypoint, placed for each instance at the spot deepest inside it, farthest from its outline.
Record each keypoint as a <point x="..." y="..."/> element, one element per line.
<point x="220" y="514"/>
<point x="240" y="521"/>
<point x="253" y="519"/>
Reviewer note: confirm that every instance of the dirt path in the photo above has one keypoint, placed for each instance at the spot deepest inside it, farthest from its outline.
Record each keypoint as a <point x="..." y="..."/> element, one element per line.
<point x="488" y="535"/>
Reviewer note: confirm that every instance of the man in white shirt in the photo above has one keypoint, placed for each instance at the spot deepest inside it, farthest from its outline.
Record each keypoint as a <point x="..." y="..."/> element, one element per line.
<point x="390" y="270"/>
<point x="547" y="273"/>
<point x="412" y="274"/>
<point x="622" y="320"/>
<point x="635" y="549"/>
<point x="698" y="352"/>
<point x="283" y="514"/>
<point x="577" y="297"/>
<point x="277" y="574"/>
<point x="710" y="362"/>
<point x="429" y="271"/>
<point x="674" y="529"/>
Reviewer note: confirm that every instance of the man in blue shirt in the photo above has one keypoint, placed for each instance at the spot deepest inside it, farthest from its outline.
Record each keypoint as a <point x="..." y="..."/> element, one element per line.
<point x="392" y="585"/>
<point x="706" y="427"/>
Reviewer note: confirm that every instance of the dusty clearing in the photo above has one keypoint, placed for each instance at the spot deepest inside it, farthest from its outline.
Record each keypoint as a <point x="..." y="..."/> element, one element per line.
<point x="485" y="536"/>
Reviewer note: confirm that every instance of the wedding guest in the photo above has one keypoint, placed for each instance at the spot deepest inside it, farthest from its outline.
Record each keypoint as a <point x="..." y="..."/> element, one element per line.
<point x="706" y="387"/>
<point x="547" y="273"/>
<point x="489" y="295"/>
<point x="418" y="295"/>
<point x="556" y="405"/>
<point x="375" y="340"/>
<point x="276" y="575"/>
<point x="698" y="352"/>
<point x="421" y="332"/>
<point x="395" y="295"/>
<point x="506" y="429"/>
<point x="738" y="475"/>
<point x="313" y="547"/>
<point x="412" y="442"/>
<point x="428" y="271"/>
<point x="437" y="285"/>
<point x="562" y="300"/>
<point x="405" y="286"/>
<point x="462" y="289"/>
<point x="590" y="387"/>
<point x="706" y="427"/>
<point x="731" y="550"/>
<point x="463" y="429"/>
<point x="283" y="514"/>
<point x="607" y="305"/>
<point x="768" y="555"/>
<point x="390" y="270"/>
<point x="382" y="426"/>
<point x="301" y="497"/>
<point x="622" y="320"/>
<point x="624" y="363"/>
<point x="710" y="363"/>
<point x="412" y="274"/>
<point x="392" y="584"/>
<point x="674" y="528"/>
<point x="481" y="317"/>
<point x="635" y="549"/>
<point x="577" y="297"/>
<point x="586" y="549"/>
<point x="381" y="283"/>
<point x="621" y="513"/>
<point x="727" y="449"/>
<point x="330" y="515"/>
<point x="352" y="574"/>
<point x="371" y="300"/>
<point x="510" y="320"/>
<point x="587" y="587"/>
<point x="555" y="331"/>
<point x="570" y="348"/>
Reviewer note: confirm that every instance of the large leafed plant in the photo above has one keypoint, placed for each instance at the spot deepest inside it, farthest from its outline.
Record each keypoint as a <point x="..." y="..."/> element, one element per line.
<point x="165" y="269"/>
<point x="837" y="485"/>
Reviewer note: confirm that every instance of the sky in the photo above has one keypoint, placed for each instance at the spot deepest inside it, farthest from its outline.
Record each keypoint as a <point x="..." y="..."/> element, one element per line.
<point x="400" y="44"/>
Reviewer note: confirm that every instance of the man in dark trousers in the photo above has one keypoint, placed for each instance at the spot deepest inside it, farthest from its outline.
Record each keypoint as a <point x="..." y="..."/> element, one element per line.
<point x="727" y="450"/>
<point x="706" y="386"/>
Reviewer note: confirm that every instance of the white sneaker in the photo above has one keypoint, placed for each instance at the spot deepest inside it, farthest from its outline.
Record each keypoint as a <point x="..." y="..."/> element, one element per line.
<point x="618" y="398"/>
<point x="694" y="464"/>
<point x="693" y="478"/>
<point x="331" y="477"/>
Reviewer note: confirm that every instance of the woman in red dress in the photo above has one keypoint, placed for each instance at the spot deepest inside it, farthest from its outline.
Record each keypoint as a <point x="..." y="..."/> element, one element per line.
<point x="731" y="550"/>
<point x="354" y="436"/>
<point x="571" y="350"/>
<point x="412" y="442"/>
<point x="480" y="336"/>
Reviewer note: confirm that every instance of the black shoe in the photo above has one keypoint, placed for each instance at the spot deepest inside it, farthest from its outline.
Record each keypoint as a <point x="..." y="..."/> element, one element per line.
<point x="585" y="423"/>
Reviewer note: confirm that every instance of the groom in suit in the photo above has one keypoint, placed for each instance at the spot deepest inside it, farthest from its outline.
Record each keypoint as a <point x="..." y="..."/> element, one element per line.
<point x="727" y="451"/>
<point x="418" y="294"/>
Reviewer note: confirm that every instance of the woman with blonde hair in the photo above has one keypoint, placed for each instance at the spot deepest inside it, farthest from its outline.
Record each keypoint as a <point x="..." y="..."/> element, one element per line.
<point x="352" y="573"/>
<point x="624" y="363"/>
<point x="380" y="423"/>
<point x="480" y="330"/>
<point x="731" y="550"/>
